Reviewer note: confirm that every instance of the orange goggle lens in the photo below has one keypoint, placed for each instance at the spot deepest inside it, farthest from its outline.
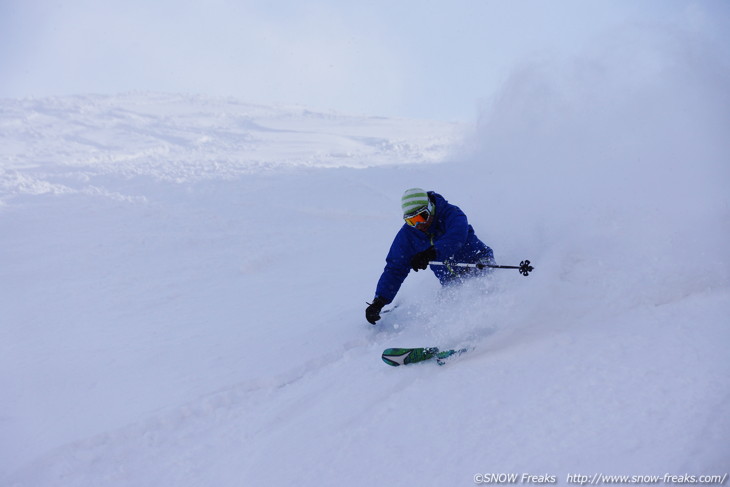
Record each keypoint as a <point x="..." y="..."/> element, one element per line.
<point x="418" y="218"/>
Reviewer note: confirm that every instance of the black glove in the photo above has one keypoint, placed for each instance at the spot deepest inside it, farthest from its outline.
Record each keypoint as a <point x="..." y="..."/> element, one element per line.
<point x="421" y="259"/>
<point x="372" y="312"/>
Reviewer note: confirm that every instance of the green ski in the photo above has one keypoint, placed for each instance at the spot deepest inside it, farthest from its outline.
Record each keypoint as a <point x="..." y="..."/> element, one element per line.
<point x="405" y="356"/>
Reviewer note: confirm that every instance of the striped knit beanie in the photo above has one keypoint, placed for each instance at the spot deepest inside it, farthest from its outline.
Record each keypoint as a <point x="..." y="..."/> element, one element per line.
<point x="414" y="199"/>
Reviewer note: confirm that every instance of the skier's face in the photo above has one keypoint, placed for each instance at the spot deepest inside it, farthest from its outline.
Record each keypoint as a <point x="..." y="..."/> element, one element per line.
<point x="425" y="225"/>
<point x="421" y="220"/>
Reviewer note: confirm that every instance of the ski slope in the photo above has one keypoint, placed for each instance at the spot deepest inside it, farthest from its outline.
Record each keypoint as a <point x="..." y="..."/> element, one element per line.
<point x="184" y="283"/>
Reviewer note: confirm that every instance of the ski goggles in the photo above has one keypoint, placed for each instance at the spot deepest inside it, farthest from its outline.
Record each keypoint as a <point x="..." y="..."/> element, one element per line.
<point x="421" y="216"/>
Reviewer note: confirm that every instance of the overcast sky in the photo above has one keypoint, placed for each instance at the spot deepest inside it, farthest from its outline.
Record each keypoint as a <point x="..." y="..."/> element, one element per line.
<point x="410" y="58"/>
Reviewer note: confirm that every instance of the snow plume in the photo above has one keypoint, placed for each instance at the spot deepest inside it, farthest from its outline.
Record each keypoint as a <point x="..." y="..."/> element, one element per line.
<point x="616" y="163"/>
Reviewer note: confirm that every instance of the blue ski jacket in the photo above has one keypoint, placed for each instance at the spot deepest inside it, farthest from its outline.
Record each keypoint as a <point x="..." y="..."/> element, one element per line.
<point x="452" y="237"/>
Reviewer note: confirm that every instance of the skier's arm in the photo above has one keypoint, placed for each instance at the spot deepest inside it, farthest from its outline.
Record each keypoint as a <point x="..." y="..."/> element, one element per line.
<point x="397" y="266"/>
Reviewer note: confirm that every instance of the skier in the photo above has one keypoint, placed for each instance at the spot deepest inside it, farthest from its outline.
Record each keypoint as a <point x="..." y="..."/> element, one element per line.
<point x="434" y="230"/>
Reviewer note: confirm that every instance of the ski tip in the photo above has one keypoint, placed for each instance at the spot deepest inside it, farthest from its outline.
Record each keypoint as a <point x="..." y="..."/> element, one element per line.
<point x="396" y="356"/>
<point x="389" y="361"/>
<point x="405" y="356"/>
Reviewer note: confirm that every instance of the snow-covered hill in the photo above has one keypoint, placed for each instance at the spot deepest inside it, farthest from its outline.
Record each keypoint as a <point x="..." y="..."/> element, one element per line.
<point x="184" y="281"/>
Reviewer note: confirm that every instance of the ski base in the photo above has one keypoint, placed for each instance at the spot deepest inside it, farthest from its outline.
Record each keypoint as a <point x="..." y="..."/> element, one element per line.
<point x="406" y="356"/>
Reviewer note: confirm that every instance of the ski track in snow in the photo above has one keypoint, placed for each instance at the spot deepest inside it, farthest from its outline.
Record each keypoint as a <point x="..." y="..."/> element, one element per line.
<point x="184" y="282"/>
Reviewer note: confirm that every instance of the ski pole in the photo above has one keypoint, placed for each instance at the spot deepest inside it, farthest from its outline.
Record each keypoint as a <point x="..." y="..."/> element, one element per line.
<point x="525" y="268"/>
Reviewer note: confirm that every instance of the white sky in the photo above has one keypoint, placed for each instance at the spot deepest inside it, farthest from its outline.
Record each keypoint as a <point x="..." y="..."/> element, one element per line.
<point x="411" y="58"/>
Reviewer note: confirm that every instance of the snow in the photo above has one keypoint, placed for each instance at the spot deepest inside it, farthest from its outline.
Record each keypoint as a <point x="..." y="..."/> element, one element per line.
<point x="184" y="281"/>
